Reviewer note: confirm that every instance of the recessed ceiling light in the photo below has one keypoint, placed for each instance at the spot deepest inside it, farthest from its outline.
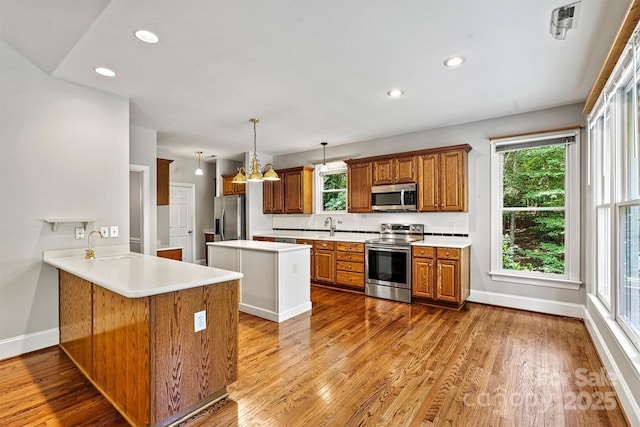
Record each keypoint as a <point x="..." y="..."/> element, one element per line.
<point x="454" y="61"/>
<point x="146" y="36"/>
<point x="394" y="93"/>
<point x="103" y="71"/>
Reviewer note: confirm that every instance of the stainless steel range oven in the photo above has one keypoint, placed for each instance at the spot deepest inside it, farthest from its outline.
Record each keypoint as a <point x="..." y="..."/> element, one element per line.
<point x="388" y="261"/>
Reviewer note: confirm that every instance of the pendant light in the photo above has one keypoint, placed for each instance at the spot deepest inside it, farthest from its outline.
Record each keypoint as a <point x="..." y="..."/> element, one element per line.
<point x="199" y="170"/>
<point x="324" y="168"/>
<point x="256" y="175"/>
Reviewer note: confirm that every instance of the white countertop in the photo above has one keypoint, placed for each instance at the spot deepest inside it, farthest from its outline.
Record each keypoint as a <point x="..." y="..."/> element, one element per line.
<point x="169" y="248"/>
<point x="318" y="235"/>
<point x="134" y="275"/>
<point x="441" y="241"/>
<point x="256" y="245"/>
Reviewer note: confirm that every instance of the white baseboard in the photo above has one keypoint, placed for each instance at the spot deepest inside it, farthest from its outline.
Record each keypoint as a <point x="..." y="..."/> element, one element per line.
<point x="272" y="315"/>
<point x="621" y="385"/>
<point x="527" y="303"/>
<point x="22" y="344"/>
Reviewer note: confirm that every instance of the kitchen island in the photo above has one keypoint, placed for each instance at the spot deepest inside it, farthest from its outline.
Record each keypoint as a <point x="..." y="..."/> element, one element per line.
<point x="129" y="322"/>
<point x="276" y="282"/>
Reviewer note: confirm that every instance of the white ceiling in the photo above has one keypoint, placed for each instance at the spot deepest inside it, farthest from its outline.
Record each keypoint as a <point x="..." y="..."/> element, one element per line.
<point x="313" y="71"/>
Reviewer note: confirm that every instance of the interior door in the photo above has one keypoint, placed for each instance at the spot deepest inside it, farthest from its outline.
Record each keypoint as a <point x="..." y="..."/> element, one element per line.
<point x="181" y="219"/>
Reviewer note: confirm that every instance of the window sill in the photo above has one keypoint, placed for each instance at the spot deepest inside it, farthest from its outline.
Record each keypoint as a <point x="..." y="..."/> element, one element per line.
<point x="630" y="351"/>
<point x="548" y="282"/>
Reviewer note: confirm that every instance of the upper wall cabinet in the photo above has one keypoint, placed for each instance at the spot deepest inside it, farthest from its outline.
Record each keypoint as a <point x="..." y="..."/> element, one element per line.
<point x="229" y="188"/>
<point x="359" y="186"/>
<point x="292" y="194"/>
<point x="440" y="175"/>
<point x="162" y="186"/>
<point x="394" y="170"/>
<point x="442" y="181"/>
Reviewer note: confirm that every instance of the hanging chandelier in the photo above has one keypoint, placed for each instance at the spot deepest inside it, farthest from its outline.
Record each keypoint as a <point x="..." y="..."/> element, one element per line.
<point x="267" y="174"/>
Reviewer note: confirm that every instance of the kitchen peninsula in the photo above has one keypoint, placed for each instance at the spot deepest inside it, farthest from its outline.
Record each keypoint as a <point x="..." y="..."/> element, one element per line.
<point x="275" y="284"/>
<point x="158" y="338"/>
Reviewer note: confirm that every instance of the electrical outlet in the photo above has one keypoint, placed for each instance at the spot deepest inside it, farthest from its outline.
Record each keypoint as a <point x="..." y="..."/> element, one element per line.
<point x="79" y="233"/>
<point x="114" y="231"/>
<point x="104" y="231"/>
<point x="200" y="321"/>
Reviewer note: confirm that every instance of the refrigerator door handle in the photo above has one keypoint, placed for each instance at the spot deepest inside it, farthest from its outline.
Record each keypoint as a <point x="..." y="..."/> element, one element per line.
<point x="222" y="226"/>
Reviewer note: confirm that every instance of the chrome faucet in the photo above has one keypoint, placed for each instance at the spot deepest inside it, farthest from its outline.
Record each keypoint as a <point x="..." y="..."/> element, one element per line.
<point x="332" y="226"/>
<point x="89" y="253"/>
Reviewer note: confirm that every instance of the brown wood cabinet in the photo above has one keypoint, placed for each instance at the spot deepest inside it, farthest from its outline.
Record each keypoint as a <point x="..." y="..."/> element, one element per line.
<point x="350" y="264"/>
<point x="359" y="187"/>
<point x="422" y="272"/>
<point x="312" y="264"/>
<point x="298" y="190"/>
<point x="208" y="237"/>
<point x="229" y="188"/>
<point x="292" y="194"/>
<point x="394" y="170"/>
<point x="441" y="275"/>
<point x="138" y="351"/>
<point x="442" y="181"/>
<point x="273" y="197"/>
<point x="175" y="254"/>
<point x="324" y="261"/>
<point x="162" y="181"/>
<point x="264" y="239"/>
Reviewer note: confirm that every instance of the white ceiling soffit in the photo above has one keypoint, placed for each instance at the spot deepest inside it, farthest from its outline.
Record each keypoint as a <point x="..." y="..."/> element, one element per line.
<point x="45" y="31"/>
<point x="314" y="71"/>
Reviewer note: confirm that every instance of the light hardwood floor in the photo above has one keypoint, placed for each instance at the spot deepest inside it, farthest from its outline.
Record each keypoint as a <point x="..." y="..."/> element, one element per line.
<point x="365" y="361"/>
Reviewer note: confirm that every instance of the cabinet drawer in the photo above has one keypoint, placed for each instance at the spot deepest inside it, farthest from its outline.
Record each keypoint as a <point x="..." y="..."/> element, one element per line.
<point x="350" y="279"/>
<point x="448" y="253"/>
<point x="304" y="242"/>
<point x="350" y="256"/>
<point x="323" y="244"/>
<point x="356" y="267"/>
<point x="422" y="252"/>
<point x="350" y="247"/>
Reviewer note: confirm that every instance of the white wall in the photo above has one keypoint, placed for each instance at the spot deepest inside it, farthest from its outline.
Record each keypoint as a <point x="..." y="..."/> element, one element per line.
<point x="182" y="170"/>
<point x="476" y="222"/>
<point x="64" y="155"/>
<point x="142" y="151"/>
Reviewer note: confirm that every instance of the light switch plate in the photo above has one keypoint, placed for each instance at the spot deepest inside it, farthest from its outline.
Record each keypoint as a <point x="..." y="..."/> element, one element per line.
<point x="79" y="233"/>
<point x="104" y="231"/>
<point x="200" y="321"/>
<point x="114" y="231"/>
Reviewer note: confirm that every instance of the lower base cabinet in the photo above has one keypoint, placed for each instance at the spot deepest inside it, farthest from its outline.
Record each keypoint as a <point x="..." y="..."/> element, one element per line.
<point x="142" y="353"/>
<point x="441" y="275"/>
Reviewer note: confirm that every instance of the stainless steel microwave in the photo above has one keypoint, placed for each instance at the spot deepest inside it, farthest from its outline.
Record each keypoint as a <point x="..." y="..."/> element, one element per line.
<point x="394" y="198"/>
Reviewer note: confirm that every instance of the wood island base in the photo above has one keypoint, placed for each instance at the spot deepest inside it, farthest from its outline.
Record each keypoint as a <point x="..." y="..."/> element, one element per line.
<point x="142" y="353"/>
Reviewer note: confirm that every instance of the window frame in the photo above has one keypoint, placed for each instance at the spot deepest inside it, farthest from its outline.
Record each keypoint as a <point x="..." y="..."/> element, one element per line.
<point x="571" y="278"/>
<point x="335" y="167"/>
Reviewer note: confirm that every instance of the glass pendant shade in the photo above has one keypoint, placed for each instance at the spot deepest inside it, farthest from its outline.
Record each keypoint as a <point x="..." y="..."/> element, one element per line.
<point x="199" y="170"/>
<point x="324" y="168"/>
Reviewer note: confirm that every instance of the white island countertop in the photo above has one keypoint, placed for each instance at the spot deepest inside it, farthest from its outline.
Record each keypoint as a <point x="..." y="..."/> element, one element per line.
<point x="135" y="275"/>
<point x="257" y="245"/>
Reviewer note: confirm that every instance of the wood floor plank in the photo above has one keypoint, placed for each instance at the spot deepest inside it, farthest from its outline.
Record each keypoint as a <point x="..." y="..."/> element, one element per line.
<point x="365" y="361"/>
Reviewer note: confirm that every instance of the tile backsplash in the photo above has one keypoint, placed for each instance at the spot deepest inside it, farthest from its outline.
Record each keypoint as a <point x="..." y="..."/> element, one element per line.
<point x="436" y="223"/>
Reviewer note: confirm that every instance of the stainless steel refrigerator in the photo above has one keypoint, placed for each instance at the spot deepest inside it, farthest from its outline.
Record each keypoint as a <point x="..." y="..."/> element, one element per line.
<point x="229" y="218"/>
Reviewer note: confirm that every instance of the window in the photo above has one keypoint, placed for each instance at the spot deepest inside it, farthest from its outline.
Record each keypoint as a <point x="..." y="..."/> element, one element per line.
<point x="331" y="188"/>
<point x="614" y="204"/>
<point x="535" y="194"/>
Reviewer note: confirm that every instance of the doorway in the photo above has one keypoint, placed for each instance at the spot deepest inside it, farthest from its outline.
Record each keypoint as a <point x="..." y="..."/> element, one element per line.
<point x="182" y="218"/>
<point x="139" y="209"/>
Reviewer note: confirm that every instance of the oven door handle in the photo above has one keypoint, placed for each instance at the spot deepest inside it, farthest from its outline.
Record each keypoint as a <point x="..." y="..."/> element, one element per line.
<point x="386" y="248"/>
